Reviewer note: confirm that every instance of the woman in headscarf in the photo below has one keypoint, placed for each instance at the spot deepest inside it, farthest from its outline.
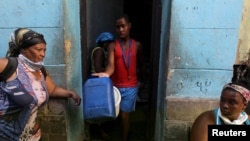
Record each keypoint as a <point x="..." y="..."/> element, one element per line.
<point x="19" y="101"/>
<point x="231" y="111"/>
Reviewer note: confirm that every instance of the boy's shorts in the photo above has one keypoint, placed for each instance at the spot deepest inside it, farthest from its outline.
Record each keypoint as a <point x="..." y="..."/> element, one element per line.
<point x="128" y="98"/>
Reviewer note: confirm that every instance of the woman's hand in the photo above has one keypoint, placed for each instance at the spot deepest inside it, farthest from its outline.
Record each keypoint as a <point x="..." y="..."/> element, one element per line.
<point x="76" y="98"/>
<point x="56" y="91"/>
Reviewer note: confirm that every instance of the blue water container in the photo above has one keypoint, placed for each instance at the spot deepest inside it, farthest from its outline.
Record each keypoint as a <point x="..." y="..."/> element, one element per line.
<point x="98" y="99"/>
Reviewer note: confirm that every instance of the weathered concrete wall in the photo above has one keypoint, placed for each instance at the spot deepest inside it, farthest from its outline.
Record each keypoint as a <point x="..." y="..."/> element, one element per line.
<point x="203" y="48"/>
<point x="203" y="44"/>
<point x="181" y="113"/>
<point x="52" y="121"/>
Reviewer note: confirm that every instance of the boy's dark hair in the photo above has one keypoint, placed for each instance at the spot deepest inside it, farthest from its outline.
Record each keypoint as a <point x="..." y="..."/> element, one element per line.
<point x="125" y="16"/>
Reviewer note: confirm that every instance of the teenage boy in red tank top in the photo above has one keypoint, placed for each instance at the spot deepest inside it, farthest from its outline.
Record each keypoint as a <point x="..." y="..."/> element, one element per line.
<point x="125" y="56"/>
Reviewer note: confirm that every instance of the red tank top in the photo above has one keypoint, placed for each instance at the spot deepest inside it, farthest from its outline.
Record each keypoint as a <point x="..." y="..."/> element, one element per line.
<point x="125" y="71"/>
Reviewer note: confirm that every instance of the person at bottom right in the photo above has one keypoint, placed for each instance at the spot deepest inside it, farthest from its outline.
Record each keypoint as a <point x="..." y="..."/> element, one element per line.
<point x="234" y="99"/>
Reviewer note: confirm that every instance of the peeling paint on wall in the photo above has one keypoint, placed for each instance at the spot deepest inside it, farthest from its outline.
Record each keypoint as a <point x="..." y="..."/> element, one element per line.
<point x="68" y="49"/>
<point x="244" y="37"/>
<point x="68" y="46"/>
<point x="170" y="73"/>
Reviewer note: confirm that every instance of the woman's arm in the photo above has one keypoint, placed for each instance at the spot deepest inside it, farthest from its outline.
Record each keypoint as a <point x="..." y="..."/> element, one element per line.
<point x="111" y="59"/>
<point x="56" y="91"/>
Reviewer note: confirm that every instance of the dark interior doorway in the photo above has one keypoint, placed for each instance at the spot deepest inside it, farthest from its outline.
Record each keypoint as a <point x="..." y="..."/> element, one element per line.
<point x="140" y="13"/>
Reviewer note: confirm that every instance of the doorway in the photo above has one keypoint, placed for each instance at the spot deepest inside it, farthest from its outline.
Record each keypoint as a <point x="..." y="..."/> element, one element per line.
<point x="140" y="13"/>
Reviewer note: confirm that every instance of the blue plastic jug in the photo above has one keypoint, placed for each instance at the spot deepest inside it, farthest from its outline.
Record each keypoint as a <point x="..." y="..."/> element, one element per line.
<point x="98" y="99"/>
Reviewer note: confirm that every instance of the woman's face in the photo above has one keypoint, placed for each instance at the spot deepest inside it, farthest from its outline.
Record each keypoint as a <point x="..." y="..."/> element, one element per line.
<point x="35" y="53"/>
<point x="232" y="104"/>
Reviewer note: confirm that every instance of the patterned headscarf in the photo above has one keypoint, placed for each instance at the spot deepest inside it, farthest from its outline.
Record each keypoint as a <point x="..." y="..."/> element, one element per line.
<point x="242" y="90"/>
<point x="23" y="38"/>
